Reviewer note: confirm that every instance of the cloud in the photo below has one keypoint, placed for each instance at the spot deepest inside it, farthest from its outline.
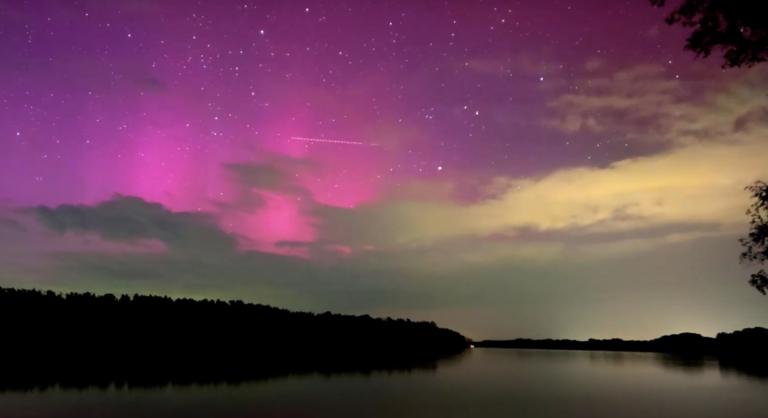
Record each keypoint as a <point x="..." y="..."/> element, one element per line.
<point x="632" y="98"/>
<point x="594" y="64"/>
<point x="648" y="104"/>
<point x="267" y="203"/>
<point x="698" y="184"/>
<point x="714" y="148"/>
<point x="461" y="282"/>
<point x="10" y="225"/>
<point x="258" y="175"/>
<point x="107" y="247"/>
<point x="558" y="242"/>
<point x="126" y="219"/>
<point x="275" y="172"/>
<point x="754" y="118"/>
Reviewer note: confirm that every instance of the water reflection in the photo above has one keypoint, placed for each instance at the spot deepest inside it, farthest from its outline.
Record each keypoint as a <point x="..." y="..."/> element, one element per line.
<point x="482" y="382"/>
<point x="22" y="379"/>
<point x="690" y="364"/>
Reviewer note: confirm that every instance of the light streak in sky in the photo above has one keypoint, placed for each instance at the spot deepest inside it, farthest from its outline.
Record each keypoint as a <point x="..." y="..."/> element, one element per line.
<point x="331" y="141"/>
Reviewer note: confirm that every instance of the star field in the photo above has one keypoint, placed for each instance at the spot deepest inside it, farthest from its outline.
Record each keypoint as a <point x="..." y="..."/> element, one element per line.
<point x="430" y="125"/>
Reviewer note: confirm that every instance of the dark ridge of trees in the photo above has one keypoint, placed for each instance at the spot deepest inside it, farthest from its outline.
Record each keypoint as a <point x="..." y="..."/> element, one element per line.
<point x="81" y="339"/>
<point x="744" y="350"/>
<point x="737" y="27"/>
<point x="748" y="342"/>
<point x="686" y="342"/>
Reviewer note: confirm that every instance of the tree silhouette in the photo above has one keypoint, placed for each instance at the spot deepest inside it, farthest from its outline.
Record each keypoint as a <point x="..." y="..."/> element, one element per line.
<point x="738" y="27"/>
<point x="756" y="242"/>
<point x="83" y="339"/>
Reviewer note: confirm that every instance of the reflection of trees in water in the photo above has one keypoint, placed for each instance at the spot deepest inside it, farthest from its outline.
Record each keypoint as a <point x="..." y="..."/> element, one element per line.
<point x="742" y="367"/>
<point x="684" y="363"/>
<point x="690" y="364"/>
<point x="740" y="352"/>
<point x="615" y="358"/>
<point x="726" y="365"/>
<point x="694" y="364"/>
<point x="30" y="378"/>
<point x="26" y="378"/>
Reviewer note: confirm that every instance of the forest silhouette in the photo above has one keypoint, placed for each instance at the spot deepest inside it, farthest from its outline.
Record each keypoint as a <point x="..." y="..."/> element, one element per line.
<point x="83" y="339"/>
<point x="743" y="350"/>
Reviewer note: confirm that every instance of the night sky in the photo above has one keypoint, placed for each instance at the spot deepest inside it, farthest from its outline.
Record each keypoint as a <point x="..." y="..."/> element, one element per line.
<point x="505" y="168"/>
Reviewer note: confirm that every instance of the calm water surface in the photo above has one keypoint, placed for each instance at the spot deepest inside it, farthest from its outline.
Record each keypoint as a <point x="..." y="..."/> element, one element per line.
<point x="482" y="383"/>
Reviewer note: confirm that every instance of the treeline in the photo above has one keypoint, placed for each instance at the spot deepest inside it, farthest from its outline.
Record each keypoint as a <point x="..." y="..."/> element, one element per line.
<point x="83" y="339"/>
<point x="751" y="343"/>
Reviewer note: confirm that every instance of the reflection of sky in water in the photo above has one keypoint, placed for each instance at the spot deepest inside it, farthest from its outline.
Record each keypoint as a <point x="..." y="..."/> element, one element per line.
<point x="483" y="383"/>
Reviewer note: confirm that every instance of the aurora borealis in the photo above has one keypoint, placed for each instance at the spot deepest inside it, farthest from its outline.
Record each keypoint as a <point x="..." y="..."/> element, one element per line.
<point x="505" y="168"/>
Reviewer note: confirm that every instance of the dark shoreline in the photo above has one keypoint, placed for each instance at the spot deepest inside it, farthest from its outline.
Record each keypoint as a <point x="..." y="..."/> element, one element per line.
<point x="744" y="351"/>
<point x="749" y="342"/>
<point x="83" y="340"/>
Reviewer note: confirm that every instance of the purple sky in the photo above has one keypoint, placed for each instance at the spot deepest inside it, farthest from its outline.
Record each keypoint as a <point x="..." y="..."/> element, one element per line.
<point x="472" y="123"/>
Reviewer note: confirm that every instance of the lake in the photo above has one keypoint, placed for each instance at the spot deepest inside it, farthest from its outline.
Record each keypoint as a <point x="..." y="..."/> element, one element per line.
<point x="480" y="383"/>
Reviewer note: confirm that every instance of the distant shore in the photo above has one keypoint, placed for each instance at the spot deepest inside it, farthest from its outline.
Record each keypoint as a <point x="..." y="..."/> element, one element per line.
<point x="749" y="343"/>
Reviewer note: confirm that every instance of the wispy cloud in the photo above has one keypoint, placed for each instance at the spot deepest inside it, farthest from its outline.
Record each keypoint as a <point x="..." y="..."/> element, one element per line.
<point x="648" y="103"/>
<point x="714" y="147"/>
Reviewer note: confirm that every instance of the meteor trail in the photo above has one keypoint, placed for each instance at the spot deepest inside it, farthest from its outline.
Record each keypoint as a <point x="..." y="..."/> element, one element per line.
<point x="330" y="141"/>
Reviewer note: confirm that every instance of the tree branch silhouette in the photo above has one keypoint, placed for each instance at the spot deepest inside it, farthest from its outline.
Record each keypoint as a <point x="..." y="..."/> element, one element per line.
<point x="740" y="29"/>
<point x="737" y="27"/>
<point x="756" y="242"/>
